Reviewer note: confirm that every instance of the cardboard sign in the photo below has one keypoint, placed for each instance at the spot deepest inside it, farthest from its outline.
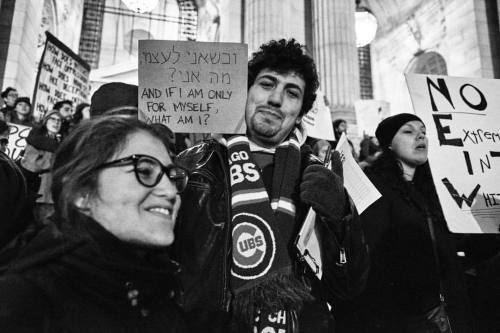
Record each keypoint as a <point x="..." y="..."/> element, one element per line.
<point x="463" y="126"/>
<point x="318" y="121"/>
<point x="17" y="140"/>
<point x="193" y="87"/>
<point x="62" y="75"/>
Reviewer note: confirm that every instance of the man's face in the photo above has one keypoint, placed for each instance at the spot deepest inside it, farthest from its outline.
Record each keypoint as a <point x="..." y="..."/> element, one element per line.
<point x="11" y="98"/>
<point x="273" y="105"/>
<point x="66" y="111"/>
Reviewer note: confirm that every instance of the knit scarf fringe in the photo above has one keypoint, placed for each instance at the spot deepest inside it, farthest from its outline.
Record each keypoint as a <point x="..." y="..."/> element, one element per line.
<point x="280" y="292"/>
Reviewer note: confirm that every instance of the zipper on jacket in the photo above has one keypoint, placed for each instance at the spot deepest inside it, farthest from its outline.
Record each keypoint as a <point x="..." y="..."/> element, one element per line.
<point x="225" y="301"/>
<point x="342" y="256"/>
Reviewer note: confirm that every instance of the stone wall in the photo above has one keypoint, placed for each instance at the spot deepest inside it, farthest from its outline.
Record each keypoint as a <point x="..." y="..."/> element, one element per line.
<point x="455" y="29"/>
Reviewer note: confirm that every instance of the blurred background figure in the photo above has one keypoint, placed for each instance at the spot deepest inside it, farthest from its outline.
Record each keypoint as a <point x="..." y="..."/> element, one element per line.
<point x="114" y="96"/>
<point x="82" y="112"/>
<point x="414" y="265"/>
<point x="22" y="114"/>
<point x="320" y="148"/>
<point x="368" y="151"/>
<point x="36" y="163"/>
<point x="65" y="109"/>
<point x="9" y="96"/>
<point x="103" y="265"/>
<point x="340" y="127"/>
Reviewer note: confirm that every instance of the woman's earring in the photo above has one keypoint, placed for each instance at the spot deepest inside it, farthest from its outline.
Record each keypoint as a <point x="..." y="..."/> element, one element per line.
<point x="82" y="202"/>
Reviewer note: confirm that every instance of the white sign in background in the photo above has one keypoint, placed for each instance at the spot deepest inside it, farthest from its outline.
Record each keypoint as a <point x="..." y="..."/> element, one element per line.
<point x="62" y="75"/>
<point x="17" y="140"/>
<point x="193" y="87"/>
<point x="318" y="121"/>
<point x="463" y="126"/>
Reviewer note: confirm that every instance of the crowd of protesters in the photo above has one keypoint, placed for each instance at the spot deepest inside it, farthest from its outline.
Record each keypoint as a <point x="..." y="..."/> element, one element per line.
<point x="94" y="238"/>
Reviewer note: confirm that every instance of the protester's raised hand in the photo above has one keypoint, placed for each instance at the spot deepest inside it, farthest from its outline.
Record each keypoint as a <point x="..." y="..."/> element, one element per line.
<point x="323" y="189"/>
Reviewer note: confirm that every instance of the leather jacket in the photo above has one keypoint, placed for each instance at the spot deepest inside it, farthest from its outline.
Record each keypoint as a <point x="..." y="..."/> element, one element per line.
<point x="203" y="237"/>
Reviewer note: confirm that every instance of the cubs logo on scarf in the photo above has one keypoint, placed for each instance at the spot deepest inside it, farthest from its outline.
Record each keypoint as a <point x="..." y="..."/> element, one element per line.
<point x="262" y="269"/>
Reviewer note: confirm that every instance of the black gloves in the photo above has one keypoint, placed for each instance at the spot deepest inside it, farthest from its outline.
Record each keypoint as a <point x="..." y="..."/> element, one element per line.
<point x="323" y="189"/>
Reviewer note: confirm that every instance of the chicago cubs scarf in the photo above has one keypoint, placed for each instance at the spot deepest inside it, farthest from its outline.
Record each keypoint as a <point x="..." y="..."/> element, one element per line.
<point x="261" y="227"/>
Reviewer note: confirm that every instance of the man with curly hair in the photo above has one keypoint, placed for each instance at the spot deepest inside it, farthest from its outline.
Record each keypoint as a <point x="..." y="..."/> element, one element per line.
<point x="245" y="202"/>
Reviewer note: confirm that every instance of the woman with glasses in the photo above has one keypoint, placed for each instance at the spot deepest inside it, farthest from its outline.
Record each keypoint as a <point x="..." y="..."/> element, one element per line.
<point x="103" y="265"/>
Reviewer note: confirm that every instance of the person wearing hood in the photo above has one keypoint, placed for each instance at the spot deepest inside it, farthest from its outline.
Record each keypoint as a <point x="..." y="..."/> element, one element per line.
<point x="102" y="264"/>
<point x="416" y="283"/>
<point x="245" y="202"/>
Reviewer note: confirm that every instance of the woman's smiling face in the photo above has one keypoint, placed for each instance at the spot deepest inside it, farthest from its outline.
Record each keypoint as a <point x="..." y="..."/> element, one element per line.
<point x="132" y="212"/>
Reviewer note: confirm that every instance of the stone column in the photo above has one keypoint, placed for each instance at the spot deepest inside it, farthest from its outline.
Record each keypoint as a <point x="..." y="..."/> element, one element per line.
<point x="273" y="19"/>
<point x="336" y="56"/>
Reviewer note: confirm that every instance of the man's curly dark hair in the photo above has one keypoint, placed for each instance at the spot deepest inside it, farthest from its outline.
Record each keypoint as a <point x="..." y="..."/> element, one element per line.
<point x="285" y="56"/>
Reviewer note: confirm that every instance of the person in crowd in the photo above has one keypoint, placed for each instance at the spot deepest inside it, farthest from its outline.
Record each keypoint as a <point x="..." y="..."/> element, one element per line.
<point x="416" y="283"/>
<point x="42" y="142"/>
<point x="22" y="114"/>
<point x="82" y="112"/>
<point x="247" y="198"/>
<point x="36" y="162"/>
<point x="15" y="210"/>
<point x="114" y="97"/>
<point x="339" y="128"/>
<point x="103" y="264"/>
<point x="9" y="96"/>
<point x="65" y="109"/>
<point x="369" y="151"/>
<point x="320" y="148"/>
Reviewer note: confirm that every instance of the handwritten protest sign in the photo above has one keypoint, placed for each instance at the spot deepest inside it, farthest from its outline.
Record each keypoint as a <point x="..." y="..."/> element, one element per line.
<point x="318" y="121"/>
<point x="463" y="126"/>
<point x="62" y="75"/>
<point x="17" y="140"/>
<point x="193" y="87"/>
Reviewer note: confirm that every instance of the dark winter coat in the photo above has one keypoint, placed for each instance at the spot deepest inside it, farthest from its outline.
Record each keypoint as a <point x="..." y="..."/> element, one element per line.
<point x="203" y="245"/>
<point x="404" y="281"/>
<point x="83" y="279"/>
<point x="15" y="210"/>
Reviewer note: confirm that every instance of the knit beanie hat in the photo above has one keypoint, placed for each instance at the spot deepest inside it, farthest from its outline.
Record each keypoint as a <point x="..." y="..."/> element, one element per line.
<point x="113" y="95"/>
<point x="22" y="99"/>
<point x="51" y="113"/>
<point x="389" y="127"/>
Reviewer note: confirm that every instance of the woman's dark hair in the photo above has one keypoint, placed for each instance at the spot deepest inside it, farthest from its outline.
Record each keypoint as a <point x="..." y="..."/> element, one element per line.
<point x="78" y="115"/>
<point x="283" y="57"/>
<point x="89" y="145"/>
<point x="391" y="170"/>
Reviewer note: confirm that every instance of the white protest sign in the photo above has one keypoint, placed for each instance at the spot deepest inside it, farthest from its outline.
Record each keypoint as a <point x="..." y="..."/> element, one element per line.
<point x="62" y="75"/>
<point x="463" y="126"/>
<point x="369" y="113"/>
<point x="318" y="121"/>
<point x="17" y="140"/>
<point x="193" y="87"/>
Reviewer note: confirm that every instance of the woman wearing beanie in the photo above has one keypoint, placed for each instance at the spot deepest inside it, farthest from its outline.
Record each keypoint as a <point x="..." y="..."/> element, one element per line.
<point x="42" y="142"/>
<point x="414" y="268"/>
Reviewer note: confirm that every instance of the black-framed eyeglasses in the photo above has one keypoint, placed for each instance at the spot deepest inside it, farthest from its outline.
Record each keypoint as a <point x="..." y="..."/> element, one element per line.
<point x="149" y="171"/>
